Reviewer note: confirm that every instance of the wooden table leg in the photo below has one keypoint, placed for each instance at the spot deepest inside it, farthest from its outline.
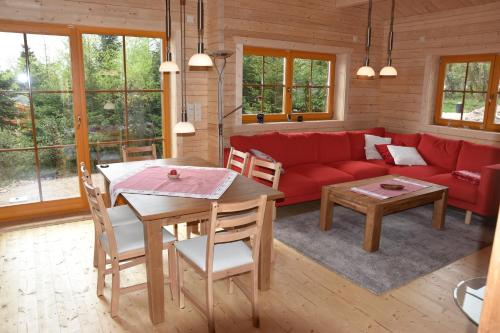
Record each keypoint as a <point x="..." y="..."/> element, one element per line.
<point x="373" y="228"/>
<point x="266" y="242"/>
<point x="326" y="211"/>
<point x="440" y="211"/>
<point x="154" y="268"/>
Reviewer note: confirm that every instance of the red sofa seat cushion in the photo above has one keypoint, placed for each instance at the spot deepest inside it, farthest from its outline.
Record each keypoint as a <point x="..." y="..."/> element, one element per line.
<point x="334" y="147"/>
<point x="360" y="169"/>
<point x="299" y="148"/>
<point x="321" y="174"/>
<point x="473" y="156"/>
<point x="418" y="171"/>
<point x="294" y="184"/>
<point x="440" y="152"/>
<point x="357" y="141"/>
<point x="457" y="189"/>
<point x="407" y="140"/>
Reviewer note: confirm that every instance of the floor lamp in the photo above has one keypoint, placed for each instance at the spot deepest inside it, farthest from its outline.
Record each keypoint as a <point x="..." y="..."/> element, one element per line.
<point x="221" y="55"/>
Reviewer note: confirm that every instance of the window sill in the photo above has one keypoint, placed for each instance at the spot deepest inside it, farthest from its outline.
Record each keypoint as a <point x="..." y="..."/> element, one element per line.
<point x="462" y="133"/>
<point x="311" y="125"/>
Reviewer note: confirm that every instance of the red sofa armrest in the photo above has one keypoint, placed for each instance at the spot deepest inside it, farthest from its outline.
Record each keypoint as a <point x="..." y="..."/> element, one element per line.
<point x="489" y="189"/>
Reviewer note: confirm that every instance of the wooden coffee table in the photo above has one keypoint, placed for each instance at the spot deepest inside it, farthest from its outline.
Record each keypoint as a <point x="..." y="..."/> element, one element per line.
<point x="375" y="208"/>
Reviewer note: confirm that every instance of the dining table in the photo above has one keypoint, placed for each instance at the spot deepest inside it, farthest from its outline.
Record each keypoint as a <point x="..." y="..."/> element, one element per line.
<point x="156" y="211"/>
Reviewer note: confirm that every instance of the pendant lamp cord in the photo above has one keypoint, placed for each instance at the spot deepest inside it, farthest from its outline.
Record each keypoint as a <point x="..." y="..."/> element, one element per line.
<point x="368" y="34"/>
<point x="183" y="70"/>
<point x="391" y="36"/>
<point x="168" y="29"/>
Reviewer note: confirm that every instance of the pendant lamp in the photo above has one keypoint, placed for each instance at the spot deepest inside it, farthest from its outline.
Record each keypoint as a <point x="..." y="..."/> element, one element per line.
<point x="367" y="72"/>
<point x="183" y="127"/>
<point x="168" y="66"/>
<point x="389" y="71"/>
<point x="200" y="59"/>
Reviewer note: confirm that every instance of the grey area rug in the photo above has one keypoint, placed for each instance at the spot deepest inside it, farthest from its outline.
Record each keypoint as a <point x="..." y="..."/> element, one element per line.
<point x="409" y="246"/>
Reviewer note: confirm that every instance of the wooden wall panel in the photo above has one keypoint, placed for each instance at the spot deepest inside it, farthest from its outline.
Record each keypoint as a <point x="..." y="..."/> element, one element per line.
<point x="469" y="30"/>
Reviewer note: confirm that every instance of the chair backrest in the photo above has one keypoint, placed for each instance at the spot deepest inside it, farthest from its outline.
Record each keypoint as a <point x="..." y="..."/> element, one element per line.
<point x="139" y="153"/>
<point x="264" y="170"/>
<point x="233" y="162"/>
<point x="238" y="221"/>
<point x="85" y="173"/>
<point x="100" y="216"/>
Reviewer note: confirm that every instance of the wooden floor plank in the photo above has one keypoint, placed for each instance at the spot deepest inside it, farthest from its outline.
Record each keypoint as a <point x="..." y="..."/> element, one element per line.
<point x="47" y="284"/>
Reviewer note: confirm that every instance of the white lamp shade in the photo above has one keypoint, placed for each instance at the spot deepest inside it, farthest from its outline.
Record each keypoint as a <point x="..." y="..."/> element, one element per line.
<point x="184" y="127"/>
<point x="109" y="106"/>
<point x="388" y="71"/>
<point x="169" y="67"/>
<point x="365" y="72"/>
<point x="200" y="60"/>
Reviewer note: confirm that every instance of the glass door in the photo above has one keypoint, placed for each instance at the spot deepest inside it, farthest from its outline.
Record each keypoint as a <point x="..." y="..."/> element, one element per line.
<point x="38" y="154"/>
<point x="124" y="95"/>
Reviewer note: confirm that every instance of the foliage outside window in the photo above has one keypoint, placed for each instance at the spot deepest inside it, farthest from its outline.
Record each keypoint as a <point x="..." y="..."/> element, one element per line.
<point x="285" y="84"/>
<point x="123" y="94"/>
<point x="468" y="87"/>
<point x="37" y="136"/>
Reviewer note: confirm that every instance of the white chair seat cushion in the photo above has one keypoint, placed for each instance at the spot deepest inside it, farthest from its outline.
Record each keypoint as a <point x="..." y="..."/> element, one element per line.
<point x="121" y="215"/>
<point x="130" y="237"/>
<point x="226" y="255"/>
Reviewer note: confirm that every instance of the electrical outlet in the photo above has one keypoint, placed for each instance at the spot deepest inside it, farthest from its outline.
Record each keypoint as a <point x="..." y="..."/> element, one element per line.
<point x="190" y="19"/>
<point x="197" y="112"/>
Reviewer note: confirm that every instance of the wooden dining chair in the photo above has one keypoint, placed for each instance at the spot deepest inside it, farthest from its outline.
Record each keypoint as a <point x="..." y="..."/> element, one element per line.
<point x="119" y="215"/>
<point x="139" y="153"/>
<point x="268" y="173"/>
<point x="238" y="159"/>
<point x="124" y="246"/>
<point x="224" y="253"/>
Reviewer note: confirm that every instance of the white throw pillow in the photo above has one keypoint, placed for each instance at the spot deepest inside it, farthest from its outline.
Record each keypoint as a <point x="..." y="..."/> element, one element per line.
<point x="406" y="155"/>
<point x="371" y="152"/>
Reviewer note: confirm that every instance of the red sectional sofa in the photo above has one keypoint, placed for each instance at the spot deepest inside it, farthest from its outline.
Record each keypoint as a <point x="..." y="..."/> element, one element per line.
<point x="313" y="159"/>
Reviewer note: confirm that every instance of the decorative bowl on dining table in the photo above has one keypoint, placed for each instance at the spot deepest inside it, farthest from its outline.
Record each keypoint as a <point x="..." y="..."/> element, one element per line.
<point x="173" y="174"/>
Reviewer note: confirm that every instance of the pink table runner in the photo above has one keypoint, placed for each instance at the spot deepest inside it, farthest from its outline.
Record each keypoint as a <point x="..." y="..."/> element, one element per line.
<point x="374" y="190"/>
<point x="193" y="182"/>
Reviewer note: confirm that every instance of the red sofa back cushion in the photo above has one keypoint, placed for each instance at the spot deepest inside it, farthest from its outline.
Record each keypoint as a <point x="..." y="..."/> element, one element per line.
<point x="357" y="140"/>
<point x="407" y="140"/>
<point x="334" y="147"/>
<point x="269" y="143"/>
<point x="473" y="156"/>
<point x="299" y="148"/>
<point x="439" y="152"/>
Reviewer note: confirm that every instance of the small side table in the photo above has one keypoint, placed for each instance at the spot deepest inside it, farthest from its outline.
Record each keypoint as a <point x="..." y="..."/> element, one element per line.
<point x="469" y="295"/>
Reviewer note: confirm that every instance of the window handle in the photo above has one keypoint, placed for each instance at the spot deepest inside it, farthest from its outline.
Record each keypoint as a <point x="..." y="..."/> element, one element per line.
<point x="78" y="121"/>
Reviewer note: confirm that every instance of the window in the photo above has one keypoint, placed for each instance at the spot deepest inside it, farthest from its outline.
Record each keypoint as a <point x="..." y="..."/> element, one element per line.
<point x="468" y="87"/>
<point x="285" y="84"/>
<point x="37" y="136"/>
<point x="123" y="94"/>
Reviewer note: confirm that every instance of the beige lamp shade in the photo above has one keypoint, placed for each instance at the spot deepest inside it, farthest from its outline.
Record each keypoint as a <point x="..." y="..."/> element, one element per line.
<point x="184" y="127"/>
<point x="169" y="67"/>
<point x="365" y="72"/>
<point x="109" y="106"/>
<point x="388" y="72"/>
<point x="200" y="60"/>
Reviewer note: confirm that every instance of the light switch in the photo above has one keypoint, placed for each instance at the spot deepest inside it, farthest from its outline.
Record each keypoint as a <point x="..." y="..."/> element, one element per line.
<point x="190" y="19"/>
<point x="190" y="112"/>
<point x="197" y="112"/>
